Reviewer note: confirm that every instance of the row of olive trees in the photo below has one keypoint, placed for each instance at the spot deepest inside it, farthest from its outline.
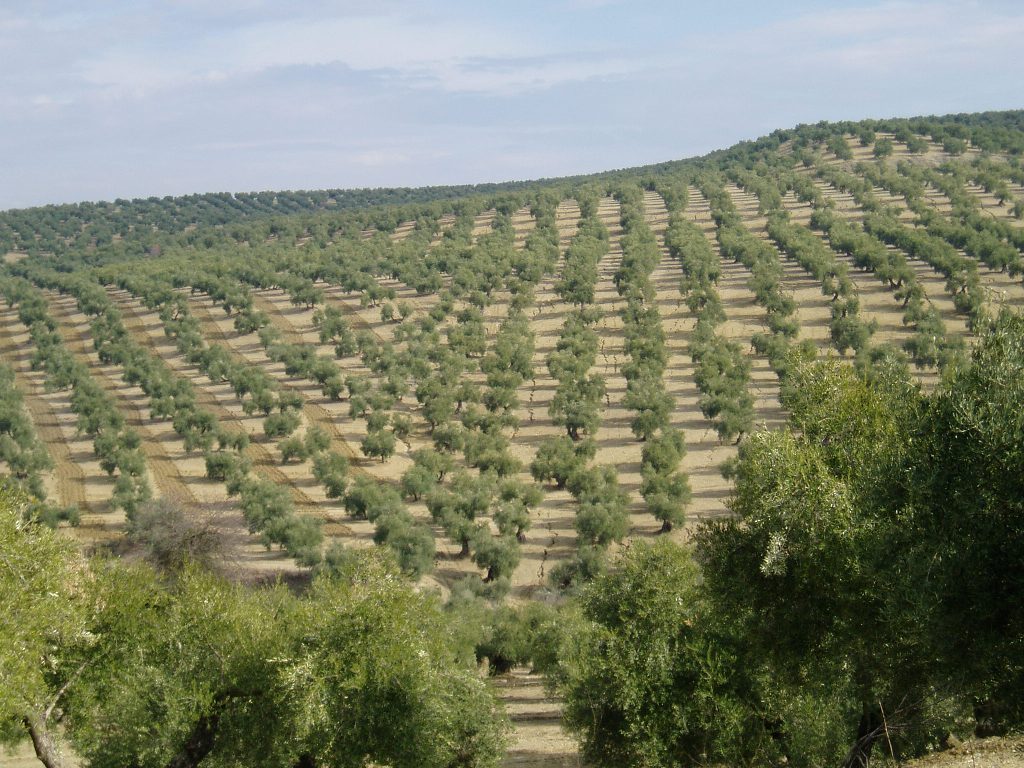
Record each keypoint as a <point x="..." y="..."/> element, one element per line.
<point x="602" y="514"/>
<point x="930" y="345"/>
<point x="448" y="389"/>
<point x="420" y="357"/>
<point x="24" y="455"/>
<point x="256" y="390"/>
<point x="117" y="447"/>
<point x="985" y="238"/>
<point x="463" y="504"/>
<point x="664" y="488"/>
<point x="304" y="361"/>
<point x="847" y="329"/>
<point x="738" y="243"/>
<point x="644" y="335"/>
<point x="994" y="178"/>
<point x="962" y="280"/>
<point x="321" y="218"/>
<point x="576" y="404"/>
<point x="722" y="369"/>
<point x="112" y="229"/>
<point x="268" y="508"/>
<point x="460" y="505"/>
<point x="765" y="188"/>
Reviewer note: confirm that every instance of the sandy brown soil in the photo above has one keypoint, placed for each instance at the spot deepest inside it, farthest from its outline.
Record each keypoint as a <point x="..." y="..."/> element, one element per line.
<point x="24" y="757"/>
<point x="538" y="739"/>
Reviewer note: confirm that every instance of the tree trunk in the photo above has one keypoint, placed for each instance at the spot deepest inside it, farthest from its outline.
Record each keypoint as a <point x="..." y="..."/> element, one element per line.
<point x="199" y="743"/>
<point x="868" y="732"/>
<point x="43" y="742"/>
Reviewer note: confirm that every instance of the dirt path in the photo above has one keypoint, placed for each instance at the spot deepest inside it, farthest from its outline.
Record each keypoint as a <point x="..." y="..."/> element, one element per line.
<point x="483" y="222"/>
<point x="523" y="223"/>
<point x="538" y="740"/>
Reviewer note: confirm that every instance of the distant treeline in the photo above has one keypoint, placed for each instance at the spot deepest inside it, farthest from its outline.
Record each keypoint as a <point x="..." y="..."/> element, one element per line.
<point x="104" y="231"/>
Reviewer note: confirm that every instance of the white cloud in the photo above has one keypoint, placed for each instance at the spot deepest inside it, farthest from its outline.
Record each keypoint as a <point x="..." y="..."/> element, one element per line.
<point x="419" y="47"/>
<point x="887" y="39"/>
<point x="513" y="76"/>
<point x="414" y="49"/>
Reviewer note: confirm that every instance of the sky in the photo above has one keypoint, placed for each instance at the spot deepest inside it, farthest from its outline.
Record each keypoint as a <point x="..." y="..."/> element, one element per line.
<point x="131" y="98"/>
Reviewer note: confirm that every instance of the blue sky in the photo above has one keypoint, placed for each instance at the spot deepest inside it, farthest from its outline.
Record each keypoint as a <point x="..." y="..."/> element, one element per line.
<point x="131" y="98"/>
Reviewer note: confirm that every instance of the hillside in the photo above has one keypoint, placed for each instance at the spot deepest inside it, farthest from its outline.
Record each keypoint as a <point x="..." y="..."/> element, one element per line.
<point x="309" y="371"/>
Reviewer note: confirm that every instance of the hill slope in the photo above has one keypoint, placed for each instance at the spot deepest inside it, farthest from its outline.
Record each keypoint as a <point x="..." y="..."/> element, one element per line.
<point x="341" y="374"/>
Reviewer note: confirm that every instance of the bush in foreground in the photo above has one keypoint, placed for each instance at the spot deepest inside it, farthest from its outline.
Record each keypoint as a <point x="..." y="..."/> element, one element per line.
<point x="150" y="672"/>
<point x="867" y="592"/>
